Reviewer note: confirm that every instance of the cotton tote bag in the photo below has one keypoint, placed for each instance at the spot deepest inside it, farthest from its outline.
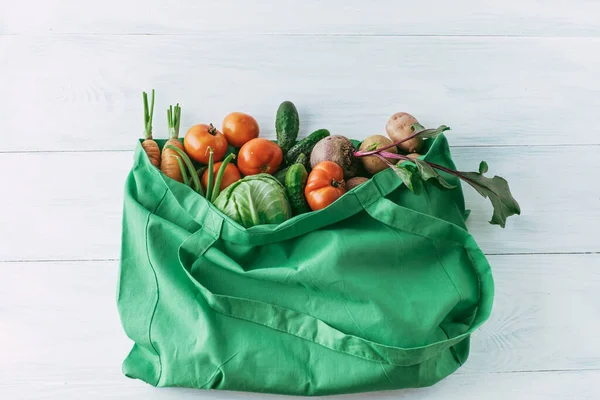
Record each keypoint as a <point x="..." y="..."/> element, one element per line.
<point x="380" y="290"/>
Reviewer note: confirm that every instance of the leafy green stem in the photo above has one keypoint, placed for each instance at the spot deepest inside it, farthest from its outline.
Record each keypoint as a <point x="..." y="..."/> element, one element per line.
<point x="211" y="174"/>
<point x="148" y="113"/>
<point x="186" y="159"/>
<point x="173" y="121"/>
<point x="217" y="187"/>
<point x="404" y="174"/>
<point x="184" y="175"/>
<point x="496" y="188"/>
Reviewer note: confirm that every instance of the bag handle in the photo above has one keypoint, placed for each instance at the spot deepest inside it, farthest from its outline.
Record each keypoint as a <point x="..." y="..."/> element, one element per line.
<point x="344" y="208"/>
<point x="315" y="330"/>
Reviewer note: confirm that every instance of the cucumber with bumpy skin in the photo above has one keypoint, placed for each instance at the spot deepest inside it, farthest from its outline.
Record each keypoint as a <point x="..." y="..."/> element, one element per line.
<point x="306" y="145"/>
<point x="280" y="175"/>
<point x="287" y="125"/>
<point x="302" y="159"/>
<point x="295" y="181"/>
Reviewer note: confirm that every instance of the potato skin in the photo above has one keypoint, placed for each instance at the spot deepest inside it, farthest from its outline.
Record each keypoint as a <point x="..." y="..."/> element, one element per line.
<point x="373" y="164"/>
<point x="398" y="127"/>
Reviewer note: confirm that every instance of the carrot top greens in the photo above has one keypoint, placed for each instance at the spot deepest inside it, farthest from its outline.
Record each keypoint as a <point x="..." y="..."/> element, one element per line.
<point x="148" y="113"/>
<point x="173" y="121"/>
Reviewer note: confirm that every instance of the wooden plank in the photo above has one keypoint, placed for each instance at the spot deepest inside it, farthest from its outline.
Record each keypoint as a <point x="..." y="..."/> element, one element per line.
<point x="62" y="205"/>
<point x="84" y="92"/>
<point x="545" y="315"/>
<point x="68" y="205"/>
<point x="66" y="341"/>
<point x="429" y="17"/>
<point x="571" y="385"/>
<point x="559" y="207"/>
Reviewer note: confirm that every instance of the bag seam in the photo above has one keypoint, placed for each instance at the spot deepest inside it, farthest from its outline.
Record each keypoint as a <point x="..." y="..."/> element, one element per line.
<point x="157" y="289"/>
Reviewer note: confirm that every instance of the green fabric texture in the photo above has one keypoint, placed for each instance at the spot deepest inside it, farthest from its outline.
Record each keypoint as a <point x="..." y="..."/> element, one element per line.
<point x="381" y="290"/>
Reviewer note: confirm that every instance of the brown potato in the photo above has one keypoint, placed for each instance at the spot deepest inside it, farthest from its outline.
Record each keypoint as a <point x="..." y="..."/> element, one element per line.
<point x="398" y="127"/>
<point x="354" y="182"/>
<point x="371" y="163"/>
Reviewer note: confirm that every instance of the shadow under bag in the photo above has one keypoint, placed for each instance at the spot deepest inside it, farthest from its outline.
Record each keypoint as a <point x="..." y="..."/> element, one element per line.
<point x="378" y="291"/>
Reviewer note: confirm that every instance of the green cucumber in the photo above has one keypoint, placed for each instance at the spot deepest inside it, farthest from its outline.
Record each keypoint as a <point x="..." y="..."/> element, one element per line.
<point x="287" y="125"/>
<point x="306" y="145"/>
<point x="280" y="175"/>
<point x="295" y="181"/>
<point x="302" y="159"/>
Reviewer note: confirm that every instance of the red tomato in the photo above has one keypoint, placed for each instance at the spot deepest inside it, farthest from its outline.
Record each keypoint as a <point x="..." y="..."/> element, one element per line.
<point x="231" y="175"/>
<point x="199" y="138"/>
<point x="325" y="185"/>
<point x="259" y="155"/>
<point x="239" y="128"/>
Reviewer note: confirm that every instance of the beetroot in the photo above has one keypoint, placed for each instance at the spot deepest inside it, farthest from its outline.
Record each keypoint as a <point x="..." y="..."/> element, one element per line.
<point x="338" y="149"/>
<point x="356" y="181"/>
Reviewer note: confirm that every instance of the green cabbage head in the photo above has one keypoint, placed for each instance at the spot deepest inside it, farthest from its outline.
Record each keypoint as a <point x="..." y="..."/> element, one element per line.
<point x="255" y="200"/>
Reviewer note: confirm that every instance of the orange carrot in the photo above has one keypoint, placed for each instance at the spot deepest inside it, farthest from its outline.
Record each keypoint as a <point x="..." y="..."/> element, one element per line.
<point x="194" y="178"/>
<point x="149" y="145"/>
<point x="168" y="162"/>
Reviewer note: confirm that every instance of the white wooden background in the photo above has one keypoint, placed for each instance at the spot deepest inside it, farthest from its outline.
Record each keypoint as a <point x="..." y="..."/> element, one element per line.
<point x="517" y="80"/>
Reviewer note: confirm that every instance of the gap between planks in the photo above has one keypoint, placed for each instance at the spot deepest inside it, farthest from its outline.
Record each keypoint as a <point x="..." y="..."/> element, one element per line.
<point x="499" y="146"/>
<point x="531" y="371"/>
<point x="308" y="34"/>
<point x="66" y="260"/>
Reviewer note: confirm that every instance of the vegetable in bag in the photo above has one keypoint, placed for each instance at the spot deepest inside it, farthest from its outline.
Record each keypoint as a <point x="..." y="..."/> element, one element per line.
<point x="255" y="200"/>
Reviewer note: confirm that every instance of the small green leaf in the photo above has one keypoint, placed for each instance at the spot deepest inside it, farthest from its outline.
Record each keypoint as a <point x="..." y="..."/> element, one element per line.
<point x="417" y="127"/>
<point x="483" y="167"/>
<point x="427" y="172"/>
<point x="372" y="147"/>
<point x="428" y="133"/>
<point x="497" y="190"/>
<point x="405" y="175"/>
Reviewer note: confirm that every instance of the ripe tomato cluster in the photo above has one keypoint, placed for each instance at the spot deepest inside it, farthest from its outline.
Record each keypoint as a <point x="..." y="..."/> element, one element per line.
<point x="256" y="155"/>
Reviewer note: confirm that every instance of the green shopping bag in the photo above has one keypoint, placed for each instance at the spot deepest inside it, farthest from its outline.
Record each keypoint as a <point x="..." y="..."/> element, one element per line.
<point x="380" y="290"/>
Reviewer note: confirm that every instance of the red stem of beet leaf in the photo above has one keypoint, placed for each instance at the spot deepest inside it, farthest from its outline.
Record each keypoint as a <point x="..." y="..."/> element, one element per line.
<point x="385" y="160"/>
<point x="387" y="154"/>
<point x="382" y="149"/>
<point x="384" y="154"/>
<point x="496" y="188"/>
